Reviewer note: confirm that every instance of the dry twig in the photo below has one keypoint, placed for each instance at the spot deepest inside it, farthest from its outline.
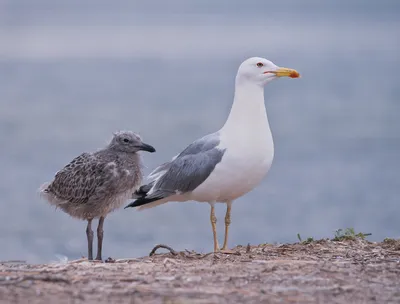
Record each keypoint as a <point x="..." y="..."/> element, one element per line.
<point x="153" y="251"/>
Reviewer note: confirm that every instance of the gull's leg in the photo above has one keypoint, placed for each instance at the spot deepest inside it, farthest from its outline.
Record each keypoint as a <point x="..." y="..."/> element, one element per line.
<point x="213" y="220"/>
<point x="227" y="223"/>
<point x="89" y="234"/>
<point x="100" y="237"/>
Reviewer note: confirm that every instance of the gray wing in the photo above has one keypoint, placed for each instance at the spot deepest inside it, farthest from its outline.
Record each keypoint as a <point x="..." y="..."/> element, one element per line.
<point x="79" y="180"/>
<point x="188" y="170"/>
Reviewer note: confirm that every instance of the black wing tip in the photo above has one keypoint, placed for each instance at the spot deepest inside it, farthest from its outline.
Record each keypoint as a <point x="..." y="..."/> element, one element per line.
<point x="138" y="202"/>
<point x="130" y="205"/>
<point x="140" y="192"/>
<point x="142" y="201"/>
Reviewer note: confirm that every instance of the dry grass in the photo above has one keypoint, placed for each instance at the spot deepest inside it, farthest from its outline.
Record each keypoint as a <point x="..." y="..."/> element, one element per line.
<point x="325" y="271"/>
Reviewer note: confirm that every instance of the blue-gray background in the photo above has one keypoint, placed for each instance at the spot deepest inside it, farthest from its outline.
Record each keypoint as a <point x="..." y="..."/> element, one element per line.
<point x="71" y="73"/>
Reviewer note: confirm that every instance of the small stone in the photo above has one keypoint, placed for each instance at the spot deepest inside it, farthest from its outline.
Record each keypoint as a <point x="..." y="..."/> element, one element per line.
<point x="193" y="279"/>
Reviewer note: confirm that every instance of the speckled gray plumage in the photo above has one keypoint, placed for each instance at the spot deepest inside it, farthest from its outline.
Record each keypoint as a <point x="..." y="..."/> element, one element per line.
<point x="94" y="184"/>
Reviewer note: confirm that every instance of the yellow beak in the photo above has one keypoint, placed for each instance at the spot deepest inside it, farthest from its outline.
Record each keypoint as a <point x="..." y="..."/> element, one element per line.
<point x="285" y="72"/>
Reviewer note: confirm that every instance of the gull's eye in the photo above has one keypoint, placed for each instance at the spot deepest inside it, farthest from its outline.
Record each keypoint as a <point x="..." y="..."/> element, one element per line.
<point x="260" y="64"/>
<point x="126" y="140"/>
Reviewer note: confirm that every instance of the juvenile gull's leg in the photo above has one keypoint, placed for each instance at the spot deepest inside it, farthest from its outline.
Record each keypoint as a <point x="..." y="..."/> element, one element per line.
<point x="227" y="223"/>
<point x="213" y="220"/>
<point x="100" y="237"/>
<point x="89" y="234"/>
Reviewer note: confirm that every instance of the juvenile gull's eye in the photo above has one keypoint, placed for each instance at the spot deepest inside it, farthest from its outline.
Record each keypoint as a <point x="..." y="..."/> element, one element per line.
<point x="260" y="65"/>
<point x="126" y="140"/>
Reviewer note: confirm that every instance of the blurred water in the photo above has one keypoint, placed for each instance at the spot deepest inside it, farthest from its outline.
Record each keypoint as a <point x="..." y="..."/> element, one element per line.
<point x="72" y="73"/>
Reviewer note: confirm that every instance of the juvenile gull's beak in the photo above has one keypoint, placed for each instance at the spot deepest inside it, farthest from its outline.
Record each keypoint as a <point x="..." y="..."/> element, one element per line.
<point x="285" y="72"/>
<point x="146" y="147"/>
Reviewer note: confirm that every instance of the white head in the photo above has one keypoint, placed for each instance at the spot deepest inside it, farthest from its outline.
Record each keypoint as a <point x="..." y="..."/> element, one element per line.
<point x="260" y="71"/>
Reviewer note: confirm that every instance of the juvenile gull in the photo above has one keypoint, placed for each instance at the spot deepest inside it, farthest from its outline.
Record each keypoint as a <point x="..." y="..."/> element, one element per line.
<point x="225" y="165"/>
<point x="94" y="184"/>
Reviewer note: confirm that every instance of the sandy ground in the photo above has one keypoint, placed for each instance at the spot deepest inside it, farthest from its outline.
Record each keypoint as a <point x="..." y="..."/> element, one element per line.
<point x="325" y="271"/>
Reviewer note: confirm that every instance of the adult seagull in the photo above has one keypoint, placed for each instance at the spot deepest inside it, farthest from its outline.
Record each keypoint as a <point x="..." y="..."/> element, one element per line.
<point x="222" y="166"/>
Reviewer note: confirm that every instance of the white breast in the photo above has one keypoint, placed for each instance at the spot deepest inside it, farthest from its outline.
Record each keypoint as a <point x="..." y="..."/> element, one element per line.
<point x="242" y="168"/>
